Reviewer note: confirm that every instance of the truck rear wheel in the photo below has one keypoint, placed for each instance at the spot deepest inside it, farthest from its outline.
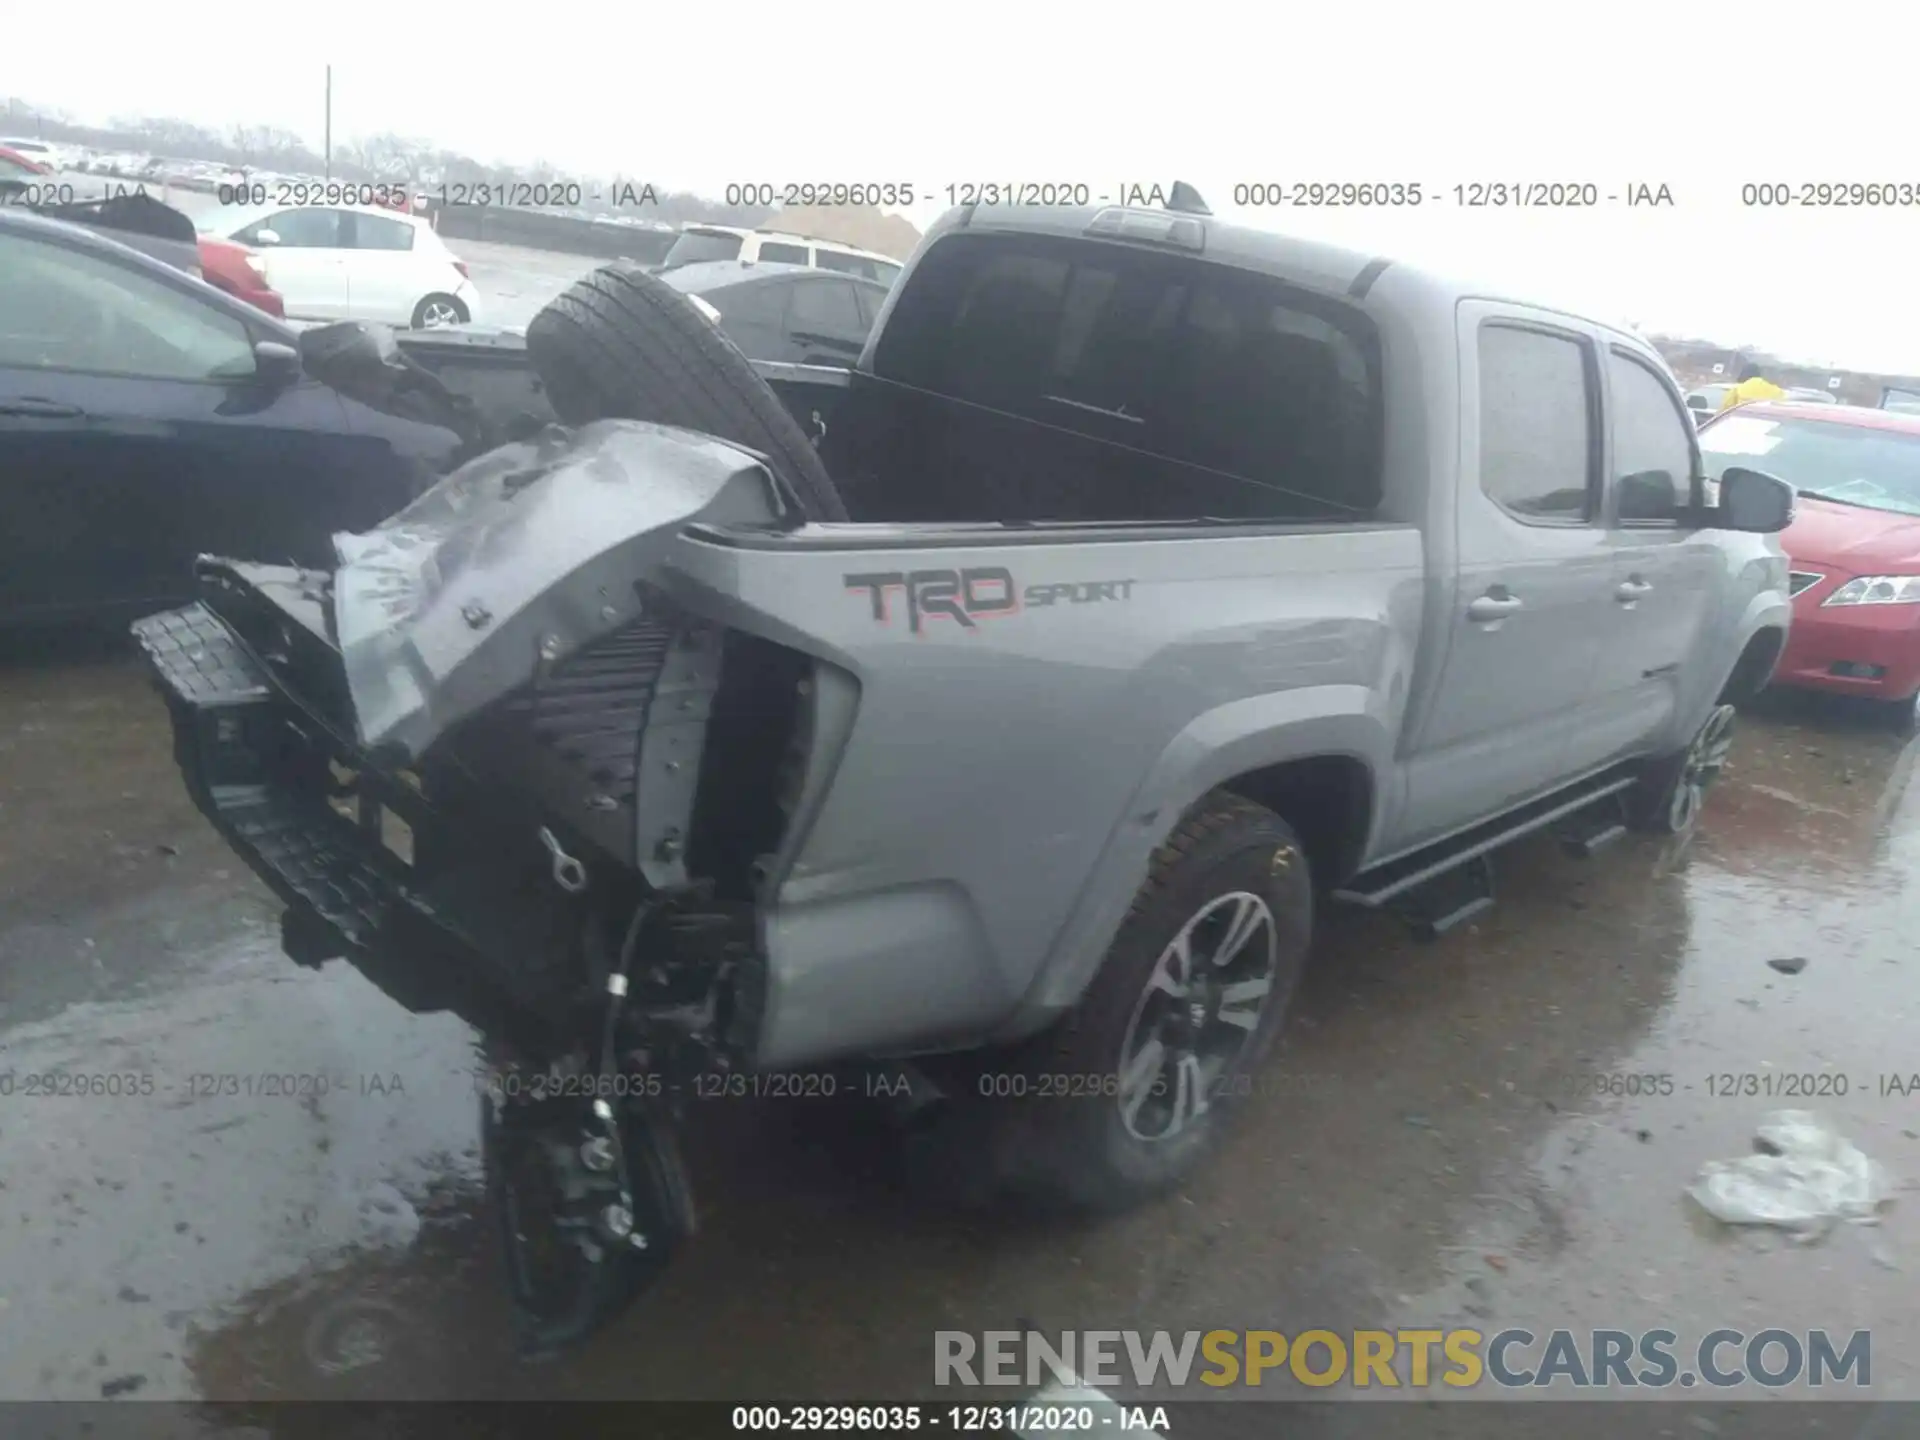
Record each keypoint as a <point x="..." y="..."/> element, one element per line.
<point x="1124" y="1097"/>
<point x="620" y="344"/>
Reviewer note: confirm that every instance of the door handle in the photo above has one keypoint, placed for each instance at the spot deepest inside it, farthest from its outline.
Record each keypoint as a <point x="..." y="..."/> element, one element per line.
<point x="1493" y="607"/>
<point x="1628" y="591"/>
<point x="38" y="409"/>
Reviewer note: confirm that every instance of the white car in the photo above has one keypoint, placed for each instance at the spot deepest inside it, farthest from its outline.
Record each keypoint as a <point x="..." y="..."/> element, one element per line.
<point x="353" y="262"/>
<point x="697" y="243"/>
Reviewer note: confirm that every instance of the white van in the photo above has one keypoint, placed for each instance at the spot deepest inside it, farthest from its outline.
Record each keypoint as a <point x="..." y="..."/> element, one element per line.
<point x="775" y="247"/>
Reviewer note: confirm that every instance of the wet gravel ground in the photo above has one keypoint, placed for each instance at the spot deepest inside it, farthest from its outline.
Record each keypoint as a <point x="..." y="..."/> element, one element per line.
<point x="1428" y="1148"/>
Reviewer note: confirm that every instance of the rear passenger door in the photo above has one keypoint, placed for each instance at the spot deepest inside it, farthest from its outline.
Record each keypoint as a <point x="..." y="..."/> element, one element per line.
<point x="383" y="273"/>
<point x="1664" y="567"/>
<point x="1532" y="579"/>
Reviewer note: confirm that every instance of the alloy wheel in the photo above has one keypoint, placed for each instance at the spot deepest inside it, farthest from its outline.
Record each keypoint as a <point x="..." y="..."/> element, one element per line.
<point x="1706" y="758"/>
<point x="1200" y="1009"/>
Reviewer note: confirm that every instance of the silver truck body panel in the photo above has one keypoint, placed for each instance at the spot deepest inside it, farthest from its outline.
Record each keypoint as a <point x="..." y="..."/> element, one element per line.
<point x="1176" y="662"/>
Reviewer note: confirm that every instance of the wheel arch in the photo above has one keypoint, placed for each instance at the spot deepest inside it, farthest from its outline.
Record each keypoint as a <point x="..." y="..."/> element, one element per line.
<point x="1316" y="741"/>
<point x="1754" y="667"/>
<point x="1327" y="799"/>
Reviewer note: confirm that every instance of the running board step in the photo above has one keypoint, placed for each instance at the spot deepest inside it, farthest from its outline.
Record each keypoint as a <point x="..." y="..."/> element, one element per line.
<point x="1384" y="882"/>
<point x="1448" y="900"/>
<point x="1589" y="831"/>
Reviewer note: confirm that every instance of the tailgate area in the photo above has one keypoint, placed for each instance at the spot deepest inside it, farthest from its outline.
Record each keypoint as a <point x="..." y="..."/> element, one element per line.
<point x="338" y="840"/>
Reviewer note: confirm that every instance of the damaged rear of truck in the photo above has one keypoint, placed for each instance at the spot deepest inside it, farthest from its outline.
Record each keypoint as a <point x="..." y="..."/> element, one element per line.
<point x="1009" y="728"/>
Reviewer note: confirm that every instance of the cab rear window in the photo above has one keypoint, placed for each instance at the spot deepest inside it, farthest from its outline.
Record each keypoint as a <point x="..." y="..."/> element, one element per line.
<point x="1227" y="371"/>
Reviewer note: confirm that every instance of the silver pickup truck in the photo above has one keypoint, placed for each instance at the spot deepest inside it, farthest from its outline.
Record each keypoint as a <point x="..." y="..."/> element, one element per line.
<point x="1155" y="581"/>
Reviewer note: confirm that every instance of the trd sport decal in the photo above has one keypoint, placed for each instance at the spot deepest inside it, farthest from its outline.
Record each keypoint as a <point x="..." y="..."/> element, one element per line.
<point x="980" y="592"/>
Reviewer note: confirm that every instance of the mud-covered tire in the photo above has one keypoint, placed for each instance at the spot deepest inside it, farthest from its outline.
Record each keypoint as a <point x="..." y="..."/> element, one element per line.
<point x="1061" y="1132"/>
<point x="620" y="344"/>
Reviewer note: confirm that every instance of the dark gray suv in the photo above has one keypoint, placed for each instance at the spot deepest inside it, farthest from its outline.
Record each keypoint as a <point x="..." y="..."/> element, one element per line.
<point x="790" y="313"/>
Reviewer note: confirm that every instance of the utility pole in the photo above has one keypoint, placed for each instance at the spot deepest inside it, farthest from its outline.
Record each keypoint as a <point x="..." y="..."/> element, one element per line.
<point x="329" y="123"/>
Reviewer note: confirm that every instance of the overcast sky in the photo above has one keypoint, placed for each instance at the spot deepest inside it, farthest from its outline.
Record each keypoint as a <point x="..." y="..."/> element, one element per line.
<point x="1702" y="99"/>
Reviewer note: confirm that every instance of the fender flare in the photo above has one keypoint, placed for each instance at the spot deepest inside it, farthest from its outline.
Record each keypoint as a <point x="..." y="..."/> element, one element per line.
<point x="1227" y="741"/>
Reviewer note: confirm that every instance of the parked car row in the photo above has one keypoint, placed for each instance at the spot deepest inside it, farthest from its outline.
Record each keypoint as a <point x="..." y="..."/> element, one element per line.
<point x="147" y="415"/>
<point x="1855" y="548"/>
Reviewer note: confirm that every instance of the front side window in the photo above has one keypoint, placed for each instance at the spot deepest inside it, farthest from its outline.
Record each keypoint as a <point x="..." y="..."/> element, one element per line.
<point x="63" y="309"/>
<point x="1536" y="424"/>
<point x="302" y="229"/>
<point x="374" y="232"/>
<point x="1652" y="456"/>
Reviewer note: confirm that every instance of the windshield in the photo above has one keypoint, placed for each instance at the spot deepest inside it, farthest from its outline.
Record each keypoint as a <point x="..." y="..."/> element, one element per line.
<point x="696" y="245"/>
<point x="1852" y="464"/>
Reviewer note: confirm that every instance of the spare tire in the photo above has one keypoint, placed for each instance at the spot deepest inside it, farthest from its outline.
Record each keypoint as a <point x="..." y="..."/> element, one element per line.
<point x="620" y="344"/>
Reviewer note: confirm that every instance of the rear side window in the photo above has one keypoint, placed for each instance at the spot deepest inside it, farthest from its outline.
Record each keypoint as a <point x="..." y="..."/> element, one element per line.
<point x="1224" y="370"/>
<point x="691" y="246"/>
<point x="1536" y="424"/>
<point x="775" y="253"/>
<point x="1652" y="454"/>
<point x="372" y="232"/>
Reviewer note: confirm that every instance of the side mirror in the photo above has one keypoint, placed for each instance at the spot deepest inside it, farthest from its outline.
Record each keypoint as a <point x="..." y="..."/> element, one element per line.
<point x="1753" y="501"/>
<point x="274" y="363"/>
<point x="1647" y="495"/>
<point x="265" y="236"/>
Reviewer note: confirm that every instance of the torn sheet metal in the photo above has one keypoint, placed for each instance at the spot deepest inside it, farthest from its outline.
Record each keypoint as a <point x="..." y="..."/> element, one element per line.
<point x="516" y="560"/>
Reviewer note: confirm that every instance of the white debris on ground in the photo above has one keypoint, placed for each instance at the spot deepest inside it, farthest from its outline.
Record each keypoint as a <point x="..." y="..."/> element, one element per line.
<point x="1803" y="1177"/>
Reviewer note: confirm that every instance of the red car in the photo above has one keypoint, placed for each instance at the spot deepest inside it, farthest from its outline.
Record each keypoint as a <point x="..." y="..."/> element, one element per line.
<point x="1854" y="546"/>
<point x="229" y="266"/>
<point x="17" y="173"/>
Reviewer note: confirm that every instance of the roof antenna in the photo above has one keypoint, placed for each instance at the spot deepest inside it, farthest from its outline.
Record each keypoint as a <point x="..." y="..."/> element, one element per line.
<point x="1185" y="199"/>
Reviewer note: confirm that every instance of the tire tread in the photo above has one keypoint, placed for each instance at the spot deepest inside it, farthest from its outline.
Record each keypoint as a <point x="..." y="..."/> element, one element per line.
<point x="620" y="344"/>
